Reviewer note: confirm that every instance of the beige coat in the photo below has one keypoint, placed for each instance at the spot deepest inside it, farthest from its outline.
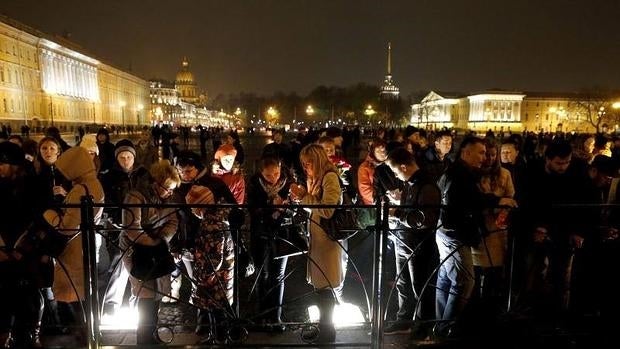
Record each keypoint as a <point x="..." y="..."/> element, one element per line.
<point x="76" y="165"/>
<point x="495" y="245"/>
<point x="324" y="255"/>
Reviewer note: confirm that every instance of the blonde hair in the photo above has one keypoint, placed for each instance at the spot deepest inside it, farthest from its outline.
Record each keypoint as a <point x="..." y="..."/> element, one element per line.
<point x="316" y="155"/>
<point x="165" y="174"/>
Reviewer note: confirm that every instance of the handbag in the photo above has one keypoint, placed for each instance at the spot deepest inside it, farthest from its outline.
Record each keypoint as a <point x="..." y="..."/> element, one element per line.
<point x="151" y="262"/>
<point x="343" y="224"/>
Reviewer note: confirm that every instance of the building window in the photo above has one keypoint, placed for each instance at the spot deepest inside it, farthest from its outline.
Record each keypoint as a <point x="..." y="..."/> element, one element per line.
<point x="526" y="117"/>
<point x="6" y="107"/>
<point x="12" y="105"/>
<point x="2" y="74"/>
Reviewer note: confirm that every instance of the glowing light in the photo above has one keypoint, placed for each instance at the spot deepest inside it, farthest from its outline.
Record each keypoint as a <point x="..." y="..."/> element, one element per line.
<point x="345" y="315"/>
<point x="124" y="319"/>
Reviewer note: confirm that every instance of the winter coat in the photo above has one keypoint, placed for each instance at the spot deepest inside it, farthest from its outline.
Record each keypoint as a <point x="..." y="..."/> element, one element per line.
<point x="214" y="260"/>
<point x="145" y="226"/>
<point x="463" y="202"/>
<point x="324" y="255"/>
<point x="491" y="252"/>
<point x="76" y="165"/>
<point x="234" y="180"/>
<point x="117" y="183"/>
<point x="365" y="180"/>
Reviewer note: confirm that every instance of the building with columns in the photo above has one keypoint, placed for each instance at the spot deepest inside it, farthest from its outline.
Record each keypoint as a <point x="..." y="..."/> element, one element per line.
<point x="47" y="80"/>
<point x="514" y="111"/>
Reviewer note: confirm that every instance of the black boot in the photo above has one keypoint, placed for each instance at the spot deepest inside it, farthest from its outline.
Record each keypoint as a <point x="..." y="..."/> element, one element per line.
<point x="327" y="302"/>
<point x="148" y="309"/>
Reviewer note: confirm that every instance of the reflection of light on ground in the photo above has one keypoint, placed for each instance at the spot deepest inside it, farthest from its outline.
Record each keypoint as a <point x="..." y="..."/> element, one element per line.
<point x="345" y="315"/>
<point x="123" y="319"/>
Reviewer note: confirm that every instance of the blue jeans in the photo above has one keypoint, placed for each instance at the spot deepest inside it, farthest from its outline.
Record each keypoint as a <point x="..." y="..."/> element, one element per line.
<point x="455" y="281"/>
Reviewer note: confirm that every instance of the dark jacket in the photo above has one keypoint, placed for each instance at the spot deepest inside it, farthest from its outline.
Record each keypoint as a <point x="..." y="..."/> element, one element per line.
<point x="463" y="203"/>
<point x="117" y="183"/>
<point x="421" y="191"/>
<point x="430" y="162"/>
<point x="384" y="180"/>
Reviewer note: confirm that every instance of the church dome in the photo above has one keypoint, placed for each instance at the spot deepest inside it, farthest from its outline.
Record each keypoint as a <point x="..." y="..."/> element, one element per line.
<point x="184" y="76"/>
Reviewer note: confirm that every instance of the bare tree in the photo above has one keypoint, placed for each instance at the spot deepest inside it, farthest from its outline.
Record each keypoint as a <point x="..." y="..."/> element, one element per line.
<point x="593" y="108"/>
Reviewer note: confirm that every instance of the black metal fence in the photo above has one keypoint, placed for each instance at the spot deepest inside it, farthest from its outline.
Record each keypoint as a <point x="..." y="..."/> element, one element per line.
<point x="374" y="287"/>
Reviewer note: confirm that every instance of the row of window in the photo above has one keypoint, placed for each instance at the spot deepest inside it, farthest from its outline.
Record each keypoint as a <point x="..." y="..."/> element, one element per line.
<point x="10" y="47"/>
<point x="11" y="76"/>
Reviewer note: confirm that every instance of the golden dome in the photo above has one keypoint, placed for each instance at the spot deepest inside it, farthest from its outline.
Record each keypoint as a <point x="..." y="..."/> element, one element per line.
<point x="184" y="76"/>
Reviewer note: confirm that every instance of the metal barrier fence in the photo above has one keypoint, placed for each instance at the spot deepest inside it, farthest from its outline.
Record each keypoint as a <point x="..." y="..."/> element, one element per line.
<point x="376" y="301"/>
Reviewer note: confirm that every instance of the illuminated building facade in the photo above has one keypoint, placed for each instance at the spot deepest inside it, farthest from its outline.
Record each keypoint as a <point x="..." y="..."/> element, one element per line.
<point x="501" y="110"/>
<point x="47" y="80"/>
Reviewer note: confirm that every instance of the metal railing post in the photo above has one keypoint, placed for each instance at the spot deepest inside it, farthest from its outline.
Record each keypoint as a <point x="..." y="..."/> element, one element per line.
<point x="377" y="284"/>
<point x="91" y="306"/>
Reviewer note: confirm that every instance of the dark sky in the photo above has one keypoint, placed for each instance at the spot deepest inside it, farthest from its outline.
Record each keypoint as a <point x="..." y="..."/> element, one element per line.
<point x="292" y="45"/>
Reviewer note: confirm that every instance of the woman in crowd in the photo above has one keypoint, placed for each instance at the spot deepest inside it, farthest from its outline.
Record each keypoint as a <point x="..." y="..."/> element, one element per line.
<point x="377" y="154"/>
<point x="269" y="186"/>
<point x="149" y="226"/>
<point x="214" y="261"/>
<point x="75" y="165"/>
<point x="489" y="257"/>
<point x="52" y="188"/>
<point x="325" y="271"/>
<point x="228" y="170"/>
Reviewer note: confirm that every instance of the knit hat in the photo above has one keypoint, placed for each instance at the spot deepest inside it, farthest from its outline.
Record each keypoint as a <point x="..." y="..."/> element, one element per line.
<point x="124" y="145"/>
<point x="11" y="153"/>
<point x="225" y="149"/>
<point x="90" y="143"/>
<point x="199" y="194"/>
<point x="188" y="158"/>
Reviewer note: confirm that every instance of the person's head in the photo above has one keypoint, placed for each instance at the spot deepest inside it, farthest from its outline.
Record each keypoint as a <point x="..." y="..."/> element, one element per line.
<point x="12" y="160"/>
<point x="473" y="151"/>
<point x="336" y="134"/>
<point x="226" y="155"/>
<point x="378" y="150"/>
<point x="199" y="195"/>
<point x="588" y="144"/>
<point x="89" y="142"/>
<point x="228" y="139"/>
<point x="602" y="145"/>
<point x="49" y="150"/>
<point x="103" y="135"/>
<point x="508" y="153"/>
<point x="402" y="163"/>
<point x="270" y="169"/>
<point x="492" y="157"/>
<point x="17" y="139"/>
<point x="165" y="178"/>
<point x="125" y="154"/>
<point x="443" y="143"/>
<point x="602" y="170"/>
<point x="328" y="144"/>
<point x="188" y="165"/>
<point x="314" y="161"/>
<point x="558" y="156"/>
<point x="277" y="136"/>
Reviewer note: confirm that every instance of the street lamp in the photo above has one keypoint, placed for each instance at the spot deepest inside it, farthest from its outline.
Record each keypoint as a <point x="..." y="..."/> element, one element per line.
<point x="369" y="112"/>
<point x="309" y="110"/>
<point x="140" y="107"/>
<point x="272" y="112"/>
<point x="122" y="105"/>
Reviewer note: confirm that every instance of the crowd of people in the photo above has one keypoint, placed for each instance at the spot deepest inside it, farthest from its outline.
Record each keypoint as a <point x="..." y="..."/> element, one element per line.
<point x="507" y="220"/>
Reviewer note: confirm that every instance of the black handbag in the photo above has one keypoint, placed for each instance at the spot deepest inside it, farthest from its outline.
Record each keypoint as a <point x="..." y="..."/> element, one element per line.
<point x="343" y="224"/>
<point x="151" y="262"/>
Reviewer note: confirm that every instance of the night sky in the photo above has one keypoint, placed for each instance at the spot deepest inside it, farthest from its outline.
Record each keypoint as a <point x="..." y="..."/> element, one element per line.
<point x="291" y="45"/>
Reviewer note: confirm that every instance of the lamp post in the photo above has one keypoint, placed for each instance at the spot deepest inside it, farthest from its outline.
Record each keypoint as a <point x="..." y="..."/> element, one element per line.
<point x="309" y="112"/>
<point x="140" y="108"/>
<point x="272" y="112"/>
<point x="122" y="105"/>
<point x="369" y="112"/>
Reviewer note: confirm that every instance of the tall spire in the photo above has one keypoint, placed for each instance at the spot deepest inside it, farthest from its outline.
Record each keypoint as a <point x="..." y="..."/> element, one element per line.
<point x="389" y="89"/>
<point x="389" y="59"/>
